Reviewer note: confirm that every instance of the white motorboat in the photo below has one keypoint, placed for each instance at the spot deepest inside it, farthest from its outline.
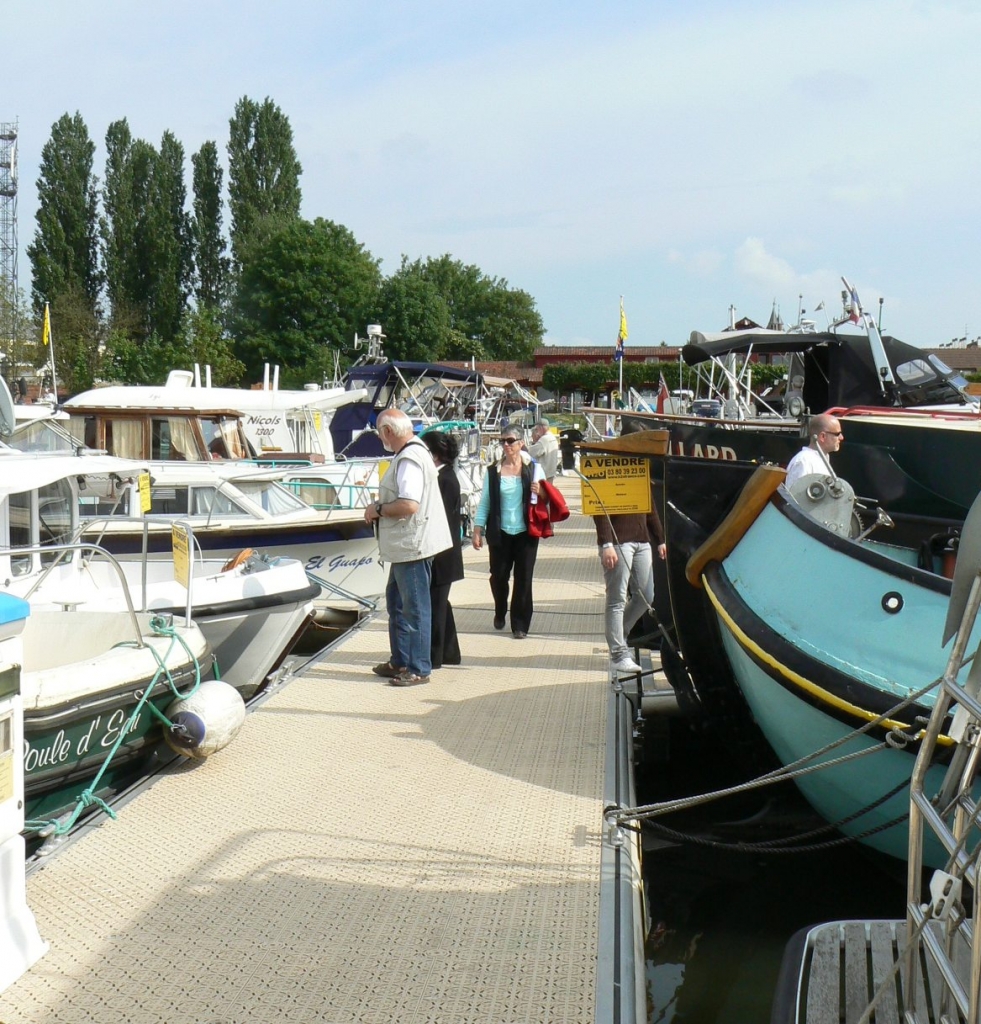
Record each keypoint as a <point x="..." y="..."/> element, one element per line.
<point x="251" y="612"/>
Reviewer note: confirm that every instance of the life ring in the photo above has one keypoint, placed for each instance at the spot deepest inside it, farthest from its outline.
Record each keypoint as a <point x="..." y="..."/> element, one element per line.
<point x="236" y="560"/>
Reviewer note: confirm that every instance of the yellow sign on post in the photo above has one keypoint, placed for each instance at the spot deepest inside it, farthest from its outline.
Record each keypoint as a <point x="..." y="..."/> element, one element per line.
<point x="182" y="554"/>
<point x="144" y="480"/>
<point x="615" y="484"/>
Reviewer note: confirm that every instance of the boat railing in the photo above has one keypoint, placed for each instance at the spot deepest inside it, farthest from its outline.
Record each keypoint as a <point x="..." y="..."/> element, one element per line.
<point x="326" y="496"/>
<point x="144" y="526"/>
<point x="336" y="590"/>
<point x="61" y="551"/>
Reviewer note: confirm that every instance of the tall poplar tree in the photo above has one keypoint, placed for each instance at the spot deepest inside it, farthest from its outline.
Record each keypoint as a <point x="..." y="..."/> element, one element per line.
<point x="263" y="172"/>
<point x="65" y="254"/>
<point x="171" y="276"/>
<point x="118" y="223"/>
<point x="210" y="260"/>
<point x="146" y="234"/>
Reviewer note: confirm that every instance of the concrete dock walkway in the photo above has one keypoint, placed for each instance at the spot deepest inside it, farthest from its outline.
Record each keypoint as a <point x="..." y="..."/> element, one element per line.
<point x="362" y="852"/>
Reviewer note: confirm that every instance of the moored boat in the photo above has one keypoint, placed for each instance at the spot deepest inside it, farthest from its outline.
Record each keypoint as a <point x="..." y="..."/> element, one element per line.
<point x="251" y="612"/>
<point x="837" y="649"/>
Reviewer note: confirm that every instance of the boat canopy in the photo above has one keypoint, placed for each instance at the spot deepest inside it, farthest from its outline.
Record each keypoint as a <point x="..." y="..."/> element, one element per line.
<point x="29" y="472"/>
<point x="843" y="369"/>
<point x="376" y="372"/>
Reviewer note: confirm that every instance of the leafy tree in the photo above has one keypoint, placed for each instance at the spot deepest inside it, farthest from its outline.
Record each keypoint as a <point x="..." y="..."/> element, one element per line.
<point x="118" y="224"/>
<point x="209" y="244"/>
<point x="167" y="238"/>
<point x="146" y="234"/>
<point x="263" y="171"/>
<point x="303" y="286"/>
<point x="64" y="253"/>
<point x="415" y="316"/>
<point x="76" y="335"/>
<point x="488" y="319"/>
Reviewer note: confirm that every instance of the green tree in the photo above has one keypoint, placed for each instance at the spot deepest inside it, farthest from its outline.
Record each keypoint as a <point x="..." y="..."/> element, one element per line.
<point x="146" y="235"/>
<point x="64" y="254"/>
<point x="303" y="287"/>
<point x="209" y="244"/>
<point x="263" y="172"/>
<point x="117" y="225"/>
<point x="488" y="318"/>
<point x="415" y="316"/>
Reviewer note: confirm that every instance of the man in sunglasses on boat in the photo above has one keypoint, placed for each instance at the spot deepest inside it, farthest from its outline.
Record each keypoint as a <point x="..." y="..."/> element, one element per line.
<point x="826" y="438"/>
<point x="412" y="528"/>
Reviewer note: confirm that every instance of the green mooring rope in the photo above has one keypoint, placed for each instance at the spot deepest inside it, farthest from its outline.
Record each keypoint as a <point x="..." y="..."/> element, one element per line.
<point x="87" y="798"/>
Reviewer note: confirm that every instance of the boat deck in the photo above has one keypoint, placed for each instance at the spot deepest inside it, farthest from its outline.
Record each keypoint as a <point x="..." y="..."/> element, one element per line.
<point x="361" y="852"/>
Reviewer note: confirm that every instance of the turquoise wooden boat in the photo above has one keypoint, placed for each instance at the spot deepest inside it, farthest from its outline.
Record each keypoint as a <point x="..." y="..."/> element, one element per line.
<point x="826" y="634"/>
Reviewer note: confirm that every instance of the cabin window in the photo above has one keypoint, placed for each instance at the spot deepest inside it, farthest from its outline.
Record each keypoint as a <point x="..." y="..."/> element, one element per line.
<point x="916" y="371"/>
<point x="173" y="440"/>
<point x="168" y="501"/>
<point x="20" y="506"/>
<point x="208" y="501"/>
<point x="222" y="438"/>
<point x="124" y="438"/>
<point x="54" y="511"/>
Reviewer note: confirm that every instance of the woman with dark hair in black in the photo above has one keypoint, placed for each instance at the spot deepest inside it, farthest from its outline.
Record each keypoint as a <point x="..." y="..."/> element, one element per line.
<point x="448" y="564"/>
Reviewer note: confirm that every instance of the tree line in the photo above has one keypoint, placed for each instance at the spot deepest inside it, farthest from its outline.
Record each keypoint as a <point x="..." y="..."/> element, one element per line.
<point x="141" y="277"/>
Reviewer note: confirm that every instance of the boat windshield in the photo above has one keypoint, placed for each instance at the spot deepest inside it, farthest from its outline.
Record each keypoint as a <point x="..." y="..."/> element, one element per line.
<point x="271" y="497"/>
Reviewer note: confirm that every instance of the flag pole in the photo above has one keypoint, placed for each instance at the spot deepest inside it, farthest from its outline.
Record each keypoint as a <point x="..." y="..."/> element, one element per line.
<point x="48" y="342"/>
<point x="620" y="360"/>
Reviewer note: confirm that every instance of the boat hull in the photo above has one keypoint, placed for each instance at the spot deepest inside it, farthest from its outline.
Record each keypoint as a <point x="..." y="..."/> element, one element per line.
<point x="841" y="636"/>
<point x="76" y="710"/>
<point x="342" y="554"/>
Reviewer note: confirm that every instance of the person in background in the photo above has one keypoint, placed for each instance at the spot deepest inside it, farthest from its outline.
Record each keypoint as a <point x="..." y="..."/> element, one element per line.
<point x="826" y="438"/>
<point x="412" y="529"/>
<point x="544" y="449"/>
<point x="448" y="564"/>
<point x="511" y="485"/>
<point x="625" y="548"/>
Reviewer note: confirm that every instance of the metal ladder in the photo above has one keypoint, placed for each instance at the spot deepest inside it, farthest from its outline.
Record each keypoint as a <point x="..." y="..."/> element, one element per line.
<point x="942" y="959"/>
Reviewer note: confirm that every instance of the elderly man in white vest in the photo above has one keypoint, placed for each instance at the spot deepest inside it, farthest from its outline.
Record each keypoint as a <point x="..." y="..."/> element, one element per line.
<point x="411" y="529"/>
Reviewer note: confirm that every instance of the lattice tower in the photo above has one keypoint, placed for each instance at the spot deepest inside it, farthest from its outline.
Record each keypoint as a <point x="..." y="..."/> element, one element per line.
<point x="8" y="230"/>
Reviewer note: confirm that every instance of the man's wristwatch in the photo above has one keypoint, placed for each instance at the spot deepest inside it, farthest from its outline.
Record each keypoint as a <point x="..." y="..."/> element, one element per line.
<point x="378" y="509"/>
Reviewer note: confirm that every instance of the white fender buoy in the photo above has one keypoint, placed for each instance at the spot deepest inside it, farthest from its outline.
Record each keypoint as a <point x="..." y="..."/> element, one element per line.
<point x="206" y="721"/>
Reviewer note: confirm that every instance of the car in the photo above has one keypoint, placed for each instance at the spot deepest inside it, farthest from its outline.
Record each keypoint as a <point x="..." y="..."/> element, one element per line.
<point x="708" y="407"/>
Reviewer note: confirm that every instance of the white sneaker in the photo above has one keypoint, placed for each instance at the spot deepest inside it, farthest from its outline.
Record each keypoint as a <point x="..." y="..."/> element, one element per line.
<point x="625" y="664"/>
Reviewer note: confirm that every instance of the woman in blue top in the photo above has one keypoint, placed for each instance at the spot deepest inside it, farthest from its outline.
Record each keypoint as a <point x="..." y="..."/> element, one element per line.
<point x="510" y="488"/>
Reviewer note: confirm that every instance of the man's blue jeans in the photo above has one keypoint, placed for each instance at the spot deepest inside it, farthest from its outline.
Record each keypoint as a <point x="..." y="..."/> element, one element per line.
<point x="410" y="615"/>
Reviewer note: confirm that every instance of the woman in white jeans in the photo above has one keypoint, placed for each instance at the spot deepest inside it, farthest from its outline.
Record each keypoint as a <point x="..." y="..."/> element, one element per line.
<point x="626" y="545"/>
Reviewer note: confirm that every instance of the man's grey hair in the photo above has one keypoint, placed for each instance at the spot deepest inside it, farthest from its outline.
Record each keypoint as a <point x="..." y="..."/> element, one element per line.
<point x="543" y="423"/>
<point x="396" y="421"/>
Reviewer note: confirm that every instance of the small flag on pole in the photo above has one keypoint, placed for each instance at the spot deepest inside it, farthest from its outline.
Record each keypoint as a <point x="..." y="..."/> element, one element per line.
<point x="854" y="308"/>
<point x="663" y="395"/>
<point x="46" y="332"/>
<point x="622" y="336"/>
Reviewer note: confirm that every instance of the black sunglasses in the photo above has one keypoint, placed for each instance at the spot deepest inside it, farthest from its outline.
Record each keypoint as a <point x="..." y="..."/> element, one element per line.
<point x="509" y="440"/>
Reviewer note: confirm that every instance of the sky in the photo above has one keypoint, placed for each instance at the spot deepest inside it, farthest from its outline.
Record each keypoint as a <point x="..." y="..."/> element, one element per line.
<point x="686" y="156"/>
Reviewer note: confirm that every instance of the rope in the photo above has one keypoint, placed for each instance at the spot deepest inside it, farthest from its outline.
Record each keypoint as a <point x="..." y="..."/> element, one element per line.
<point x="783" y="846"/>
<point x="895" y="740"/>
<point x="87" y="798"/>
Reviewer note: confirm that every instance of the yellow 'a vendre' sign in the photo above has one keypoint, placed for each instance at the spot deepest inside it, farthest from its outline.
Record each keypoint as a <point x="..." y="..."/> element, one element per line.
<point x="615" y="484"/>
<point x="182" y="554"/>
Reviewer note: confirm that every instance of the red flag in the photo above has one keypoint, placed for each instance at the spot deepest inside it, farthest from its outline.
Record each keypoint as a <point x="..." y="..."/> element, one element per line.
<point x="662" y="394"/>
